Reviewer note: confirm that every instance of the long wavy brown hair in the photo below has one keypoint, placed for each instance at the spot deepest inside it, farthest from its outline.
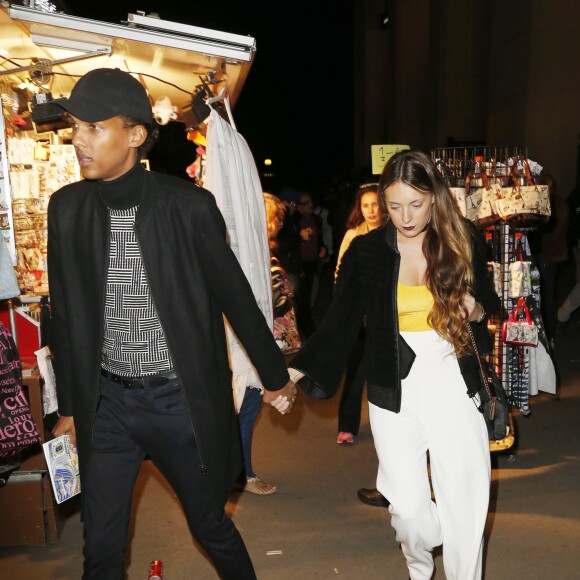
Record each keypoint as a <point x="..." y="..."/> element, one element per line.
<point x="355" y="217"/>
<point x="447" y="245"/>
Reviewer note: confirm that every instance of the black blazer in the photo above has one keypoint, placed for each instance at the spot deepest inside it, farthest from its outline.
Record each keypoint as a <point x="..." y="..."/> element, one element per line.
<point x="366" y="290"/>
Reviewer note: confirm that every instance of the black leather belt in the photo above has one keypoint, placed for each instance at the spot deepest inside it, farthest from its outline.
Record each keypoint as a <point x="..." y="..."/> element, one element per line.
<point x="146" y="382"/>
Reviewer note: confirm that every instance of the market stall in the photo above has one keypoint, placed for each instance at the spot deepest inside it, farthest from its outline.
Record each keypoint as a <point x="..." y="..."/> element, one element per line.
<point x="43" y="55"/>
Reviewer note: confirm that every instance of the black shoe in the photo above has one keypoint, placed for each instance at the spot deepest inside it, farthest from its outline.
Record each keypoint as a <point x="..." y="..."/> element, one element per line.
<point x="372" y="497"/>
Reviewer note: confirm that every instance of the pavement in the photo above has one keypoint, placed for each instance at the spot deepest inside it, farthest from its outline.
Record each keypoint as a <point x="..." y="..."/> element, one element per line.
<point x="314" y="527"/>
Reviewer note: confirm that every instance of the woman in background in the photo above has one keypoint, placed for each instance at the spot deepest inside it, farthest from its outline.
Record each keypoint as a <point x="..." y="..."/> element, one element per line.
<point x="252" y="402"/>
<point x="366" y="215"/>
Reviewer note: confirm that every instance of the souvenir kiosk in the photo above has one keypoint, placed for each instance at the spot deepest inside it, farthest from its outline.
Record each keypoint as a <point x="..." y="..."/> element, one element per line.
<point x="44" y="53"/>
<point x="507" y="196"/>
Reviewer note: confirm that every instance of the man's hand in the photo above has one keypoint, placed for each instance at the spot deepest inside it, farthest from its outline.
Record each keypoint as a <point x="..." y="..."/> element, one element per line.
<point x="282" y="400"/>
<point x="66" y="426"/>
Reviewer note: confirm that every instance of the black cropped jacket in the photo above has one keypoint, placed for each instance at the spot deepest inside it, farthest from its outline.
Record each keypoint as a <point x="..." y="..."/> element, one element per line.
<point x="366" y="290"/>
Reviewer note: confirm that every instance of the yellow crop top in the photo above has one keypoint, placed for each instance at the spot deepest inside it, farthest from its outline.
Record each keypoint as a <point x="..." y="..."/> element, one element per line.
<point x="415" y="303"/>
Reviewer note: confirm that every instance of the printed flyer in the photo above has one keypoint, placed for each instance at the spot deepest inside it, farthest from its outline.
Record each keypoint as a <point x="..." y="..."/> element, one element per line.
<point x="63" y="466"/>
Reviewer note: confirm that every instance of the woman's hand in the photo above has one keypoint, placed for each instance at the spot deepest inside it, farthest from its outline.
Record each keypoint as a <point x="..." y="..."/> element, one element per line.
<point x="282" y="400"/>
<point x="472" y="309"/>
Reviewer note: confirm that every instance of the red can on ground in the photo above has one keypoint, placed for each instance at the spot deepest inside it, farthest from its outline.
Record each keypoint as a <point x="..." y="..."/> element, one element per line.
<point x="156" y="570"/>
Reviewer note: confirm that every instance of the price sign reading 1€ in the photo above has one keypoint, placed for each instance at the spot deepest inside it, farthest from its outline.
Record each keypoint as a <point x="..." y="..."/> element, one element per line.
<point x="380" y="154"/>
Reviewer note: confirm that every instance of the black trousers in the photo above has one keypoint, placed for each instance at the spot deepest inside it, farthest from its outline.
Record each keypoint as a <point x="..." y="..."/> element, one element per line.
<point x="131" y="424"/>
<point x="349" y="409"/>
<point x="304" y="313"/>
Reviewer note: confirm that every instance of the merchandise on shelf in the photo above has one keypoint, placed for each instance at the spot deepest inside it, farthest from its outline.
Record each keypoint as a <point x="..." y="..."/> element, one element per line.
<point x="37" y="170"/>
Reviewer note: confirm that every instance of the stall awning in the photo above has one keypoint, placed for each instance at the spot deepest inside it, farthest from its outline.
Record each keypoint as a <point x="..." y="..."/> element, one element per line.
<point x="168" y="57"/>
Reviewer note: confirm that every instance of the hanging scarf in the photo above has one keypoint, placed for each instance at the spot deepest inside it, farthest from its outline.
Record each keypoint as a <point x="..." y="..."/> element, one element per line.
<point x="232" y="177"/>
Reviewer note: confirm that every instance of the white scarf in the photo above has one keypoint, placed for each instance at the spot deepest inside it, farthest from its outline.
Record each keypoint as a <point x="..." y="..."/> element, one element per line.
<point x="232" y="177"/>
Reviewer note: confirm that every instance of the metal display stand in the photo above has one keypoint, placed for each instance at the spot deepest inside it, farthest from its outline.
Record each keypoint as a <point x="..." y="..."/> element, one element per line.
<point x="456" y="163"/>
<point x="459" y="161"/>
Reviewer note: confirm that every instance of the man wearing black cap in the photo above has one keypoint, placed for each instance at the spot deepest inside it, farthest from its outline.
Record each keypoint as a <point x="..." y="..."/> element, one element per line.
<point x="140" y="277"/>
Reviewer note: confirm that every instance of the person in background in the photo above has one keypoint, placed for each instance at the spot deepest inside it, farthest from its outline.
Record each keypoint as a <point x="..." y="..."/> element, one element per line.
<point x="323" y="279"/>
<point x="288" y="239"/>
<point x="572" y="301"/>
<point x="326" y="229"/>
<point x="275" y="216"/>
<point x="418" y="282"/>
<point x="140" y="374"/>
<point x="549" y="249"/>
<point x="312" y="250"/>
<point x="327" y="238"/>
<point x="250" y="409"/>
<point x="366" y="215"/>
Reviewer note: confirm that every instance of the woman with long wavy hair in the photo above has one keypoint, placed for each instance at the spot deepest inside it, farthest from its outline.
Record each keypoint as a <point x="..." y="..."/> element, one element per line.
<point x="418" y="282"/>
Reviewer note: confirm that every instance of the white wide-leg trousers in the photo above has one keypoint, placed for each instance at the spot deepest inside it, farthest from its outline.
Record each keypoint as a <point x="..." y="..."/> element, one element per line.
<point x="437" y="416"/>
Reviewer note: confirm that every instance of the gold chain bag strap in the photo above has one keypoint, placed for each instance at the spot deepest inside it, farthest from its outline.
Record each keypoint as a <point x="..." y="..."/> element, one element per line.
<point x="494" y="404"/>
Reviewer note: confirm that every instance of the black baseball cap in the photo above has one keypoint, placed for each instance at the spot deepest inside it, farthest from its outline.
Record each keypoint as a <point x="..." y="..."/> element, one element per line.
<point x="104" y="93"/>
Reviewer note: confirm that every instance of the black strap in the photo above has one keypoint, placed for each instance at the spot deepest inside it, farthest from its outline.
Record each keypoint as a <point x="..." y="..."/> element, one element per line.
<point x="487" y="380"/>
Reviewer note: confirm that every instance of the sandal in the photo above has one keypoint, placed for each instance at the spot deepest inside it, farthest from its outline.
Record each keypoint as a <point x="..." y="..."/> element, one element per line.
<point x="259" y="487"/>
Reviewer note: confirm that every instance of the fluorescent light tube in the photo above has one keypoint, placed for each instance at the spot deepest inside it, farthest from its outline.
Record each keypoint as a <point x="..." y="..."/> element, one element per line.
<point x="67" y="44"/>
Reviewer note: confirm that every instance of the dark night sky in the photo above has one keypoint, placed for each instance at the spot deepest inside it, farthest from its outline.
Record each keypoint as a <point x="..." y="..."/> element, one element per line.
<point x="296" y="104"/>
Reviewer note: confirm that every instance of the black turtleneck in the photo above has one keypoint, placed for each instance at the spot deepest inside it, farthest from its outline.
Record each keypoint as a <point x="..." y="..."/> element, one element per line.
<point x="125" y="191"/>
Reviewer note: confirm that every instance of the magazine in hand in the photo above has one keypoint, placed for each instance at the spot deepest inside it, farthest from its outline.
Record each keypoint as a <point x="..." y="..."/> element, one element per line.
<point x="63" y="466"/>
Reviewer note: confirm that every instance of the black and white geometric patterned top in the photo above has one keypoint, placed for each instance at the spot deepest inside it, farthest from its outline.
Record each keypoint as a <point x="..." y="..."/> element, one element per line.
<point x="134" y="344"/>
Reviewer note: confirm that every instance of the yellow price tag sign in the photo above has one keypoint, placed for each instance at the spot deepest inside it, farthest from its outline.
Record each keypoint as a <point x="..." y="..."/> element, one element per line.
<point x="380" y="154"/>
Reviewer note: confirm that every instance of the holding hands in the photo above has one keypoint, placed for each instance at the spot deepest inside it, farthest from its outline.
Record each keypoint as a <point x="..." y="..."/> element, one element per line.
<point x="282" y="400"/>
